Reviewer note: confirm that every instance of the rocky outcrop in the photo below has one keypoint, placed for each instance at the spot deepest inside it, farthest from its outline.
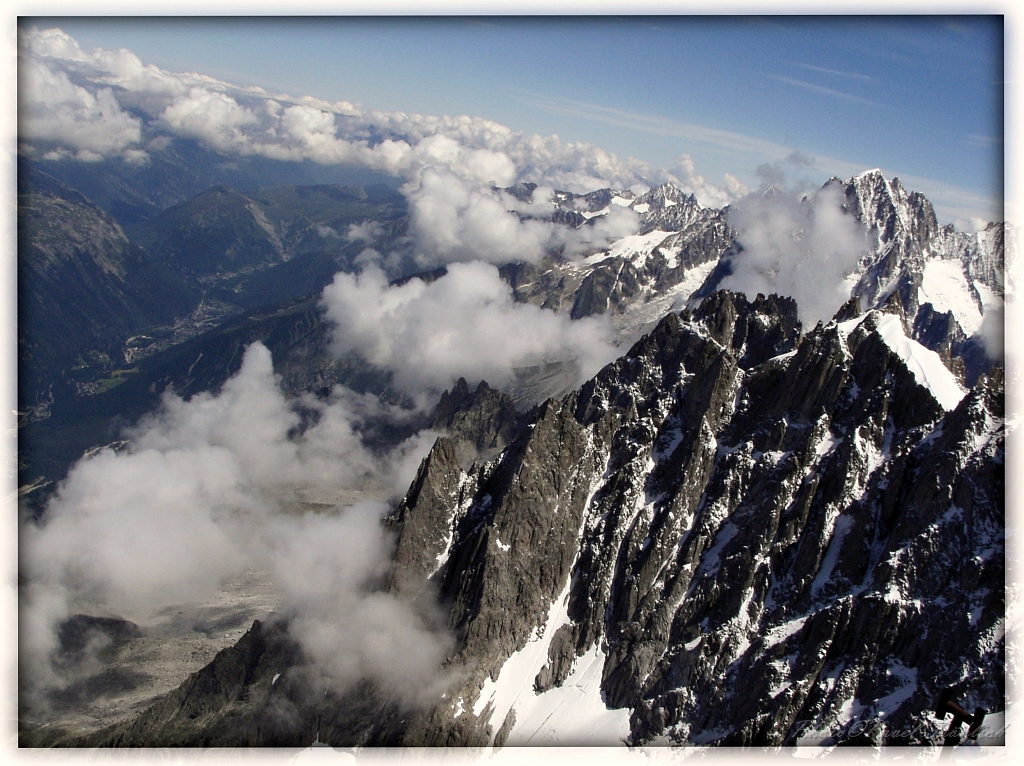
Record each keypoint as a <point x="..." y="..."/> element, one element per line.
<point x="212" y="708"/>
<point x="426" y="515"/>
<point x="479" y="422"/>
<point x="763" y="534"/>
<point x="911" y="262"/>
<point x="906" y="239"/>
<point x="639" y="284"/>
<point x="770" y="539"/>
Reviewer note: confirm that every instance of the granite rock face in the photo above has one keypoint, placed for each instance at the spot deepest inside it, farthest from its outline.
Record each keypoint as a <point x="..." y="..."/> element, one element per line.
<point x="480" y="422"/>
<point x="907" y="244"/>
<point x="638" y="279"/>
<point x="768" y="538"/>
<point x="945" y="280"/>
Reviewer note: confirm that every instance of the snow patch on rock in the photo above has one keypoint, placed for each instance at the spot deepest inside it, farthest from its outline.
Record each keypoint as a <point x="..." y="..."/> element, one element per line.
<point x="925" y="365"/>
<point x="945" y="286"/>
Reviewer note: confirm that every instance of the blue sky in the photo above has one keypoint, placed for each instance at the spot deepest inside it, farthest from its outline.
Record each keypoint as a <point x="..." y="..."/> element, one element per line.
<point x="919" y="97"/>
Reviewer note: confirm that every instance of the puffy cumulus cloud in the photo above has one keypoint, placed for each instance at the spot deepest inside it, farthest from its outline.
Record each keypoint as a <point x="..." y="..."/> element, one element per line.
<point x="323" y="565"/>
<point x="970" y="225"/>
<point x="214" y="118"/>
<point x="735" y="187"/>
<point x="305" y="121"/>
<point x="117" y="66"/>
<point x="804" y="248"/>
<point x="52" y="43"/>
<point x="577" y="167"/>
<point x="453" y="220"/>
<point x="136" y="84"/>
<point x="450" y="165"/>
<point x="541" y="202"/>
<point x="52" y="108"/>
<point x="212" y="486"/>
<point x="463" y="324"/>
<point x="286" y="127"/>
<point x="367" y="231"/>
<point x="480" y="165"/>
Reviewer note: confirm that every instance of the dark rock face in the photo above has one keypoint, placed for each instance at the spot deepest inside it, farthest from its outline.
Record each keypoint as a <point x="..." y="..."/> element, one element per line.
<point x="210" y="709"/>
<point x="904" y="239"/>
<point x="619" y="284"/>
<point x="763" y="533"/>
<point x="772" y="538"/>
<point x="426" y="514"/>
<point x="903" y="234"/>
<point x="479" y="422"/>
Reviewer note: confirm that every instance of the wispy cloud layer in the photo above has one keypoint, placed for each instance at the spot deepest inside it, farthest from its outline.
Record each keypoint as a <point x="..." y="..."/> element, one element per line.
<point x="835" y="72"/>
<point x="822" y="90"/>
<point x="951" y="202"/>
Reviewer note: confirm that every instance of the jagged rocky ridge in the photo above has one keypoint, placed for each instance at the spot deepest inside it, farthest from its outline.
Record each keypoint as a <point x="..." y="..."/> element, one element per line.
<point x="639" y="277"/>
<point x="945" y="280"/>
<point x="909" y="257"/>
<point x="754" y="536"/>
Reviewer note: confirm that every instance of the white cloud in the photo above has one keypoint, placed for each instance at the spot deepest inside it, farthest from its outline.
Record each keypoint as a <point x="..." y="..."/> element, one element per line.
<point x="54" y="109"/>
<point x="215" y="118"/>
<point x="303" y="121"/>
<point x="367" y="231"/>
<point x="210" y="487"/>
<point x="250" y="120"/>
<point x="804" y="249"/>
<point x="450" y="165"/>
<point x="992" y="331"/>
<point x="576" y="167"/>
<point x="464" y="324"/>
<point x="454" y="220"/>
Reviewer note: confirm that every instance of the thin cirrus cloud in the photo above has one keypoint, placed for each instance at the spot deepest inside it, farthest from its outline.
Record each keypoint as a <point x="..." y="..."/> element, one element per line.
<point x="657" y="125"/>
<point x="836" y="72"/>
<point x="822" y="90"/>
<point x="952" y="202"/>
<point x="985" y="142"/>
<point x="729" y="142"/>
